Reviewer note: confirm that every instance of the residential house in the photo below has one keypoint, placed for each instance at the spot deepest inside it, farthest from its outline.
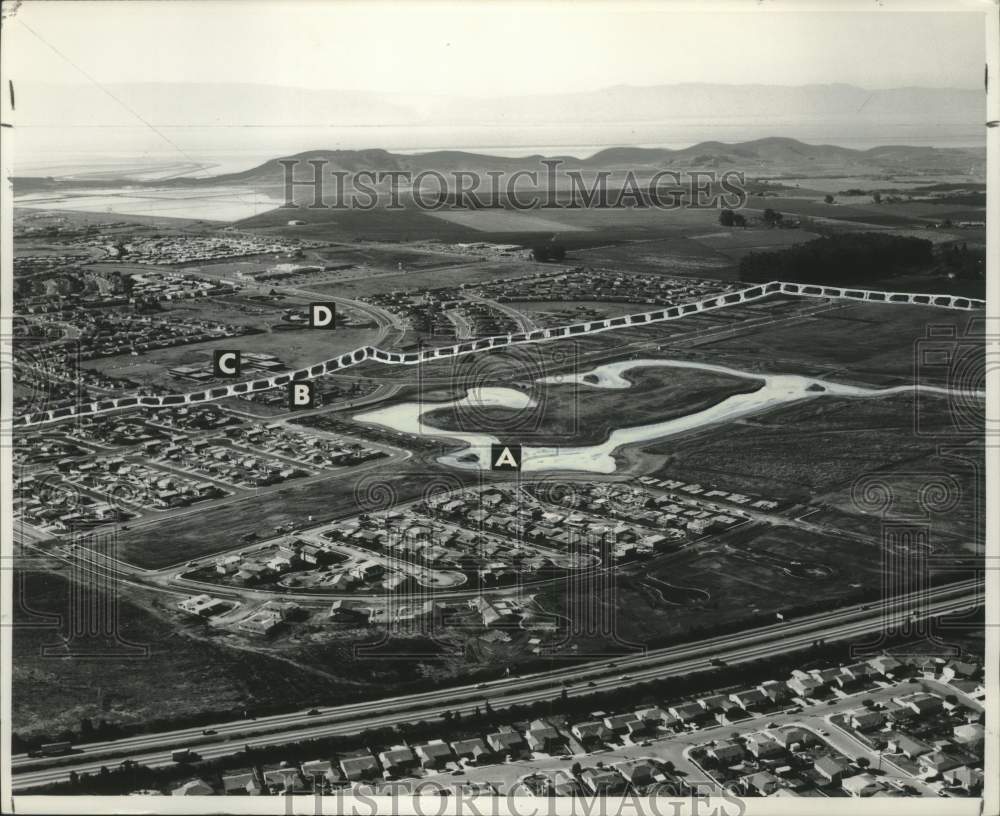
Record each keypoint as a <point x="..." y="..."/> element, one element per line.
<point x="864" y="719"/>
<point x="194" y="787"/>
<point x="791" y="738"/>
<point x="640" y="772"/>
<point x="751" y="698"/>
<point x="654" y="716"/>
<point x="286" y="780"/>
<point x="715" y="702"/>
<point x="591" y="733"/>
<point x="242" y="783"/>
<point x="832" y="768"/>
<point x="360" y="767"/>
<point x="920" y="702"/>
<point x="320" y="770"/>
<point x="731" y="716"/>
<point x="688" y="713"/>
<point x="544" y="738"/>
<point x="619" y="723"/>
<point x="508" y="742"/>
<point x="603" y="782"/>
<point x="804" y="687"/>
<point x="968" y="777"/>
<point x="727" y="753"/>
<point x="895" y="713"/>
<point x="885" y="664"/>
<point x="398" y="760"/>
<point x="862" y="784"/>
<point x="434" y="754"/>
<point x="762" y="783"/>
<point x="959" y="669"/>
<point x="827" y="677"/>
<point x="775" y="690"/>
<point x="855" y="675"/>
<point x="907" y="746"/>
<point x="473" y="751"/>
<point x="938" y="762"/>
<point x="970" y="734"/>
<point x="762" y="746"/>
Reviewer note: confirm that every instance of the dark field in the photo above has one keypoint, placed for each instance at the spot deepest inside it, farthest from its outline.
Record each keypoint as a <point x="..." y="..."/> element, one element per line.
<point x="159" y="672"/>
<point x="828" y="451"/>
<point x="740" y="580"/>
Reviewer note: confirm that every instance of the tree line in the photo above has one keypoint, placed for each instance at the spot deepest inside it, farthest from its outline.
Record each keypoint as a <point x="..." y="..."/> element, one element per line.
<point x="846" y="259"/>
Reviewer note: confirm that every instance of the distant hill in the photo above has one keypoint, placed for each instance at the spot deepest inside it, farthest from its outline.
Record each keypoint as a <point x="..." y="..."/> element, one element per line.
<point x="774" y="156"/>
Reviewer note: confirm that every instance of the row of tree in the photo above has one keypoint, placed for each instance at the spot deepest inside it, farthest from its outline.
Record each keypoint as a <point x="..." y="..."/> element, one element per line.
<point x="847" y="259"/>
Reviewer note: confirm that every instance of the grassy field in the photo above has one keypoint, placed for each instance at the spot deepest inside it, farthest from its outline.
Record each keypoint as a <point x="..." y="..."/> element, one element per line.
<point x="744" y="581"/>
<point x="673" y="255"/>
<point x="210" y="530"/>
<point x="160" y="671"/>
<point x="295" y="348"/>
<point x="864" y="343"/>
<point x="825" y="452"/>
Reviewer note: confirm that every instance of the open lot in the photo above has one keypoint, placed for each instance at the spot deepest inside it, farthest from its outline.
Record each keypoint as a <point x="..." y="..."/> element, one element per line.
<point x="155" y="671"/>
<point x="220" y="527"/>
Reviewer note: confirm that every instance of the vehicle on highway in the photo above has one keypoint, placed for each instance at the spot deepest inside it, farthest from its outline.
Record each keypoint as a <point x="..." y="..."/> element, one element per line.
<point x="591" y="684"/>
<point x="312" y="712"/>
<point x="480" y="685"/>
<point x="715" y="661"/>
<point x="50" y="749"/>
<point x="183" y="755"/>
<point x="208" y="732"/>
<point x="624" y="676"/>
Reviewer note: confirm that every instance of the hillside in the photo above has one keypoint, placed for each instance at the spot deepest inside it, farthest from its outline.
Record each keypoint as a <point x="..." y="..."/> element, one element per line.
<point x="762" y="157"/>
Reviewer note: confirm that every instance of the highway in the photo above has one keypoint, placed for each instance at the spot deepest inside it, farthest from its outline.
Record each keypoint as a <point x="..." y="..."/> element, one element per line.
<point x="776" y="639"/>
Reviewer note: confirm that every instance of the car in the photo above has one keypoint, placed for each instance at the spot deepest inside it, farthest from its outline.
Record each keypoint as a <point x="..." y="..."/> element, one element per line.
<point x="591" y="684"/>
<point x="313" y="712"/>
<point x="208" y="732"/>
<point x="459" y="772"/>
<point x="824" y="733"/>
<point x="624" y="676"/>
<point x="645" y="743"/>
<point x="480" y="685"/>
<point x="772" y="725"/>
<point x="612" y="664"/>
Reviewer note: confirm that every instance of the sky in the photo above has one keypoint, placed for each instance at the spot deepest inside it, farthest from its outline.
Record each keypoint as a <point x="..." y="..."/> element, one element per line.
<point x="484" y="48"/>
